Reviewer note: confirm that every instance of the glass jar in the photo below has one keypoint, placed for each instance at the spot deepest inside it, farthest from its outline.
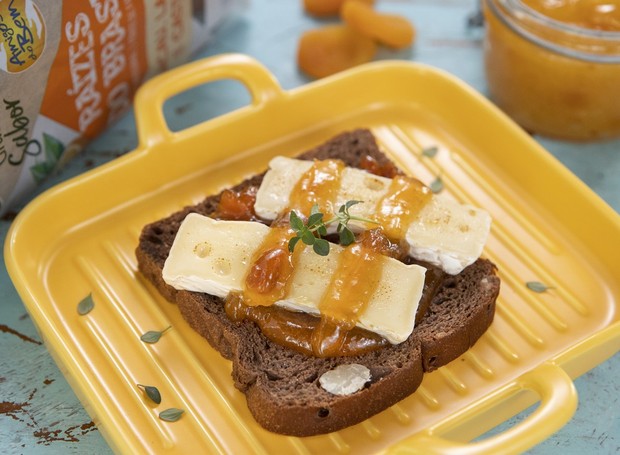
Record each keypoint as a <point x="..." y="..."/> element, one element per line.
<point x="555" y="71"/>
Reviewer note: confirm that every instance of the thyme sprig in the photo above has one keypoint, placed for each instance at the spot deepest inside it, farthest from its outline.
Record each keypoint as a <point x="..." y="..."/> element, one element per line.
<point x="312" y="232"/>
<point x="537" y="286"/>
<point x="171" y="414"/>
<point x="151" y="392"/>
<point x="153" y="336"/>
<point x="86" y="305"/>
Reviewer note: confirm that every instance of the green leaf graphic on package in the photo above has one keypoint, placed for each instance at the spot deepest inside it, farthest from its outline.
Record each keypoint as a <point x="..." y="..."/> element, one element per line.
<point x="53" y="151"/>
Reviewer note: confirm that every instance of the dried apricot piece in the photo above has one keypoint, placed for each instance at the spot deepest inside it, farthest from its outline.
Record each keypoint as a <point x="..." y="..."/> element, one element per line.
<point x="327" y="7"/>
<point x="389" y="29"/>
<point x="333" y="48"/>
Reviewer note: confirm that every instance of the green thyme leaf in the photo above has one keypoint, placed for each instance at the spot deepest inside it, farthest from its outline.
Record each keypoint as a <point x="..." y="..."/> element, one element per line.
<point x="153" y="336"/>
<point x="308" y="237"/>
<point x="171" y="414"/>
<point x="86" y="305"/>
<point x="315" y="229"/>
<point x="151" y="392"/>
<point x="291" y="244"/>
<point x="430" y="152"/>
<point x="436" y="185"/>
<point x="314" y="219"/>
<point x="346" y="236"/>
<point x="321" y="247"/>
<point x="296" y="222"/>
<point x="350" y="204"/>
<point x="537" y="286"/>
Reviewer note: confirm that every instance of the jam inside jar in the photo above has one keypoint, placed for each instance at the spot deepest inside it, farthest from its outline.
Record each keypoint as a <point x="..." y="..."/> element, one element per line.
<point x="554" y="67"/>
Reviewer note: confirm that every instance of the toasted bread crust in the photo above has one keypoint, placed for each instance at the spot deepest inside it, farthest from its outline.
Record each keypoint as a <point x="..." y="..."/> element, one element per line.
<point x="281" y="385"/>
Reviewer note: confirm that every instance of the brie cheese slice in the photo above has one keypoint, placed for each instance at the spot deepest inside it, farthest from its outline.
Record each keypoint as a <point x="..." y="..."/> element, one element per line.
<point x="214" y="257"/>
<point x="445" y="233"/>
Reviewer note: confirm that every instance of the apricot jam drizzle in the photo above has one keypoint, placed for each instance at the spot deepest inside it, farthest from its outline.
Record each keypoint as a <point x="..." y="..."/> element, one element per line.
<point x="318" y="185"/>
<point x="370" y="164"/>
<point x="237" y="205"/>
<point x="347" y="296"/>
<point x="271" y="270"/>
<point x="351" y="288"/>
<point x="295" y="330"/>
<point x="401" y="205"/>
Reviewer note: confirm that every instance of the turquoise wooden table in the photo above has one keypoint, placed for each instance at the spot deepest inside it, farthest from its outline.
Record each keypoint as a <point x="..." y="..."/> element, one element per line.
<point x="39" y="413"/>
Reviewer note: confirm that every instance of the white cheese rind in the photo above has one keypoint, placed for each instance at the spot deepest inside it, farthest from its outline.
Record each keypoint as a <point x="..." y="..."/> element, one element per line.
<point x="213" y="256"/>
<point x="446" y="234"/>
<point x="345" y="379"/>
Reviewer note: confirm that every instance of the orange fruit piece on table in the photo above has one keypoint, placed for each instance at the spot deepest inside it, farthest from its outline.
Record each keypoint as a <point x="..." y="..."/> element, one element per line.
<point x="333" y="48"/>
<point x="327" y="7"/>
<point x="390" y="29"/>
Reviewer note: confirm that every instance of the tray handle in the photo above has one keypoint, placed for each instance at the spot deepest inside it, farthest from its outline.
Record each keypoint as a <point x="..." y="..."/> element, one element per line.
<point x="558" y="402"/>
<point x="150" y="98"/>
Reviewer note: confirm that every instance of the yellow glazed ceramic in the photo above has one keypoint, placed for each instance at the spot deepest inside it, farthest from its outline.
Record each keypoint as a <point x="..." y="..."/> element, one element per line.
<point x="547" y="227"/>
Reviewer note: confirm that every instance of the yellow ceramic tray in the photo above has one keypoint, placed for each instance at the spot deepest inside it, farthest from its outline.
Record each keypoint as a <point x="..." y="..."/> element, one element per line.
<point x="547" y="227"/>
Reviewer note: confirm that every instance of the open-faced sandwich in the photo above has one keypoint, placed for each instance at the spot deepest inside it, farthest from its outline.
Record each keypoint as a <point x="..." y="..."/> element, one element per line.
<point x="332" y="282"/>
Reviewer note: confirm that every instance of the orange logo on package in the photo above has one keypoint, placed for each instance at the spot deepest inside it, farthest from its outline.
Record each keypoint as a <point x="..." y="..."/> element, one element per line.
<point x="22" y="35"/>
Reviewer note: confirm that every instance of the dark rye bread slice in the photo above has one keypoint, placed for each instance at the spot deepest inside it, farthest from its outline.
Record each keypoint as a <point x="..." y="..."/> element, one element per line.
<point x="282" y="386"/>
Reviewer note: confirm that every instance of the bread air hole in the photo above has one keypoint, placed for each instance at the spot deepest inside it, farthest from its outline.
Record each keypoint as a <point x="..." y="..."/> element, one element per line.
<point x="323" y="412"/>
<point x="154" y="239"/>
<point x="272" y="376"/>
